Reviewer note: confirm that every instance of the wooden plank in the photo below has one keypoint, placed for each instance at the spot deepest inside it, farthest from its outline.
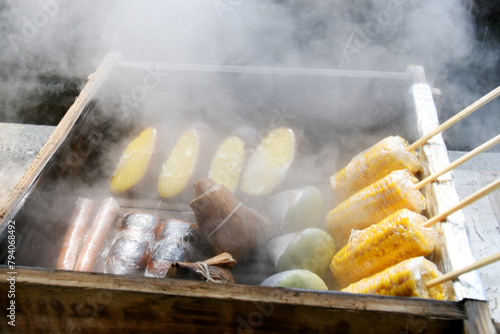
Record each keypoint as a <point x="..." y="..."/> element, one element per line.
<point x="483" y="226"/>
<point x="105" y="303"/>
<point x="441" y="195"/>
<point x="58" y="136"/>
<point x="478" y="319"/>
<point x="167" y="67"/>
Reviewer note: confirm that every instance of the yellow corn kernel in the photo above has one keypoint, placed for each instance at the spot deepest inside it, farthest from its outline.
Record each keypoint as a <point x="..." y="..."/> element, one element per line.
<point x="406" y="279"/>
<point x="398" y="237"/>
<point x="371" y="165"/>
<point x="372" y="204"/>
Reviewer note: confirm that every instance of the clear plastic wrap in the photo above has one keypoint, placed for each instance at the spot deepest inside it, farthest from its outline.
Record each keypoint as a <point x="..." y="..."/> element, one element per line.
<point x="181" y="164"/>
<point x="73" y="239"/>
<point x="310" y="249"/>
<point x="97" y="235"/>
<point x="132" y="244"/>
<point x="372" y="204"/>
<point x="270" y="162"/>
<point x="228" y="162"/>
<point x="373" y="164"/>
<point x="134" y="162"/>
<point x="296" y="209"/>
<point x="406" y="279"/>
<point x="398" y="237"/>
<point x="296" y="279"/>
<point x="173" y="244"/>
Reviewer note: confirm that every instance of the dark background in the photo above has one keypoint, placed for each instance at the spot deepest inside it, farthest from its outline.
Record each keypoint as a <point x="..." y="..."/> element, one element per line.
<point x="47" y="92"/>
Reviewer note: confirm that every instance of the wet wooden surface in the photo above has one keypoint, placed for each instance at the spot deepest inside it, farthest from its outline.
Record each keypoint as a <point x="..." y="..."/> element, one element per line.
<point x="483" y="219"/>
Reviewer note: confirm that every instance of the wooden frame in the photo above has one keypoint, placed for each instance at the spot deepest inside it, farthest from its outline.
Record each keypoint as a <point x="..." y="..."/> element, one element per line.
<point x="82" y="302"/>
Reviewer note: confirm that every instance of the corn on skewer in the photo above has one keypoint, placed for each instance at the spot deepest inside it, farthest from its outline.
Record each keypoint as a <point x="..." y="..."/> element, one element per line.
<point x="372" y="204"/>
<point x="400" y="236"/>
<point x="406" y="279"/>
<point x="393" y="192"/>
<point x="415" y="277"/>
<point x="371" y="165"/>
<point x="379" y="160"/>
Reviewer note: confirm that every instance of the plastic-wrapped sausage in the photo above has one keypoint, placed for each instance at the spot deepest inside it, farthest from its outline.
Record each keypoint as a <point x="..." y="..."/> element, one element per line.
<point x="74" y="236"/>
<point x="97" y="235"/>
<point x="174" y="244"/>
<point x="132" y="244"/>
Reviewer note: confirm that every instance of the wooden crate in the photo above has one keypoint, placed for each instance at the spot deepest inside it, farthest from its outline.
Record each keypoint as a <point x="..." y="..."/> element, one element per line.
<point x="71" y="164"/>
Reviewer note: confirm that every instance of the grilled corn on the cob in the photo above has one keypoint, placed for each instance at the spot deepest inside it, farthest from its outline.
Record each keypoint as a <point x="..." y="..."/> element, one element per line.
<point x="398" y="237"/>
<point x="373" y="164"/>
<point x="406" y="279"/>
<point x="372" y="204"/>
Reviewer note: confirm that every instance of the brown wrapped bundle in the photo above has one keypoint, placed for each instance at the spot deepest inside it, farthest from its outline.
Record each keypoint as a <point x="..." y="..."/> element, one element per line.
<point x="215" y="270"/>
<point x="173" y="244"/>
<point x="228" y="225"/>
<point x="130" y="249"/>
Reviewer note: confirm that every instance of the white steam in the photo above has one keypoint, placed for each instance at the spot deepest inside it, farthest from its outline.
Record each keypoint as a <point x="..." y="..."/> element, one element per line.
<point x="69" y="38"/>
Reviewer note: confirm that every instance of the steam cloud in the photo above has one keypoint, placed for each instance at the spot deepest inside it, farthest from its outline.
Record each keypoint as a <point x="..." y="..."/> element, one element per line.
<point x="48" y="47"/>
<point x="47" y="44"/>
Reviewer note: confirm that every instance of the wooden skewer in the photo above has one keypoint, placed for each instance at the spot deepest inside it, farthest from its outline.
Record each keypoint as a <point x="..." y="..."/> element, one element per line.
<point x="461" y="115"/>
<point x="471" y="199"/>
<point x="455" y="273"/>
<point x="158" y="207"/>
<point x="489" y="144"/>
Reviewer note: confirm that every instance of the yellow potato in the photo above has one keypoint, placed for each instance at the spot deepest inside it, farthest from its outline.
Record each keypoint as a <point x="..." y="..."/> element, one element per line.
<point x="180" y="165"/>
<point x="134" y="162"/>
<point x="270" y="162"/>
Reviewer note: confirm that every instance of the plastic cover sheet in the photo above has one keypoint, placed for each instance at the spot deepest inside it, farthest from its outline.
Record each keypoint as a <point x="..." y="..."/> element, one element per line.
<point x="398" y="237"/>
<point x="132" y="244"/>
<point x="372" y="204"/>
<point x="174" y="244"/>
<point x="373" y="164"/>
<point x="406" y="279"/>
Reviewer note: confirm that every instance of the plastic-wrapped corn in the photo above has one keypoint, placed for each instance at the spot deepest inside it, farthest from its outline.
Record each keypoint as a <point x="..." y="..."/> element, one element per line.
<point x="396" y="238"/>
<point x="373" y="164"/>
<point x="406" y="279"/>
<point x="372" y="204"/>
